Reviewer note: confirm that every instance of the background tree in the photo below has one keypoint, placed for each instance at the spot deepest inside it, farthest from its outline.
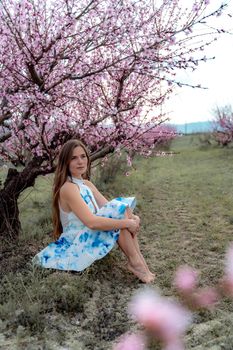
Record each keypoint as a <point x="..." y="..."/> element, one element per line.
<point x="89" y="69"/>
<point x="223" y="125"/>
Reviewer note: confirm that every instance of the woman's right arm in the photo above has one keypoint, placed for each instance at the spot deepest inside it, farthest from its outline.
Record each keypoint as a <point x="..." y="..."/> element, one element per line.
<point x="71" y="195"/>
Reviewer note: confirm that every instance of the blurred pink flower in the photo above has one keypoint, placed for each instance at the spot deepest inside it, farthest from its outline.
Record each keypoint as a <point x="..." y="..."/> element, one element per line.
<point x="206" y="298"/>
<point x="174" y="345"/>
<point x="228" y="272"/>
<point x="185" y="279"/>
<point x="229" y="263"/>
<point x="130" y="342"/>
<point x="165" y="318"/>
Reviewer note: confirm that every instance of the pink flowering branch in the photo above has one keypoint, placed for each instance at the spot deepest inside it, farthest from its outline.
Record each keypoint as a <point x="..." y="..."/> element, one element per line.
<point x="81" y="63"/>
<point x="166" y="320"/>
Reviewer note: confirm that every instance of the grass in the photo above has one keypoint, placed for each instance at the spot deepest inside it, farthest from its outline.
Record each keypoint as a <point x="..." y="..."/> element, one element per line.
<point x="185" y="203"/>
<point x="35" y="209"/>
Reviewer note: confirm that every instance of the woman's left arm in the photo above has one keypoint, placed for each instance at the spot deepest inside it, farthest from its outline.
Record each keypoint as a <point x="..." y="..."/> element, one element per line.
<point x="100" y="199"/>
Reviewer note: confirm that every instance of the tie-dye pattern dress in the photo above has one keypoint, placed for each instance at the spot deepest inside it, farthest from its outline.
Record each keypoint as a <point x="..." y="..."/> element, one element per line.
<point x="78" y="246"/>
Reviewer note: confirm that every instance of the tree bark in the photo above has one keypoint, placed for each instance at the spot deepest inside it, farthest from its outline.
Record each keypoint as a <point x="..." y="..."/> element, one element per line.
<point x="9" y="212"/>
<point x="15" y="183"/>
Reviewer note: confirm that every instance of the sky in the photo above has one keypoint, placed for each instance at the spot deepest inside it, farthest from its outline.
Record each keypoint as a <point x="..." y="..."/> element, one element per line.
<point x="192" y="105"/>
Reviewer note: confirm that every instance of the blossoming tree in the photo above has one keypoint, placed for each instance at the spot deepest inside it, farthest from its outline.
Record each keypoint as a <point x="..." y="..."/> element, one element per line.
<point x="223" y="125"/>
<point x="89" y="69"/>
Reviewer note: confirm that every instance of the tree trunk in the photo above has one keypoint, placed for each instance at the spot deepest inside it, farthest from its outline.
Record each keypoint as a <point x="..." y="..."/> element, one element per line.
<point x="15" y="183"/>
<point x="9" y="212"/>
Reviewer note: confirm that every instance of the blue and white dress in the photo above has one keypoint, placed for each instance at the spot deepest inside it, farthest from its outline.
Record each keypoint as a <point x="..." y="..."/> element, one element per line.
<point x="78" y="246"/>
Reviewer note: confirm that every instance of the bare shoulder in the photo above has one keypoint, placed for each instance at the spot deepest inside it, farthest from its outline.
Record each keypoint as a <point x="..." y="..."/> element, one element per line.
<point x="89" y="184"/>
<point x="100" y="199"/>
<point x="67" y="187"/>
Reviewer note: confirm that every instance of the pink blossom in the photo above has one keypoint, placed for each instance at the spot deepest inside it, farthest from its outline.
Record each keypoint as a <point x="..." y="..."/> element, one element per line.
<point x="228" y="272"/>
<point x="176" y="344"/>
<point x="130" y="342"/>
<point x="206" y="298"/>
<point x="167" y="319"/>
<point x="196" y="8"/>
<point x="172" y="40"/>
<point x="229" y="263"/>
<point x="129" y="160"/>
<point x="185" y="279"/>
<point x="223" y="122"/>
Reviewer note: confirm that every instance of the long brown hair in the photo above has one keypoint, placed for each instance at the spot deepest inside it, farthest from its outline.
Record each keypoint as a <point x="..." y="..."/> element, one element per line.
<point x="61" y="174"/>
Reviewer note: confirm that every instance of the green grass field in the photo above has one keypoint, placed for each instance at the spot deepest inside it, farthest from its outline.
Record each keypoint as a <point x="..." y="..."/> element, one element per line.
<point x="185" y="202"/>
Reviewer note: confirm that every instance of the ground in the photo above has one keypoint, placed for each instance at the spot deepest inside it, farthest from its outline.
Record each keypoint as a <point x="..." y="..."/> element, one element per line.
<point x="185" y="203"/>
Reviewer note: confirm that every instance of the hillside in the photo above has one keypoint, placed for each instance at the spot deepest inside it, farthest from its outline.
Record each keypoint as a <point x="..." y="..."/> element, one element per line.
<point x="197" y="127"/>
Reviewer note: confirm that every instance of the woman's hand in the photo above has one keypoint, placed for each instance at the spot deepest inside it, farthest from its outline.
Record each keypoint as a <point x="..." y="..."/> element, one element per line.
<point x="134" y="225"/>
<point x="137" y="218"/>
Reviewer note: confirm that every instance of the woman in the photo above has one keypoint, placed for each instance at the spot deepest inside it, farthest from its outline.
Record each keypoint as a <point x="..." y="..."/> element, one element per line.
<point x="86" y="225"/>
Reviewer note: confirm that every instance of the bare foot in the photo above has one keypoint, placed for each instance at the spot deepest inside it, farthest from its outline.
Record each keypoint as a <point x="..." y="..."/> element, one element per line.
<point x="148" y="271"/>
<point x="144" y="276"/>
<point x="146" y="267"/>
<point x="151" y="274"/>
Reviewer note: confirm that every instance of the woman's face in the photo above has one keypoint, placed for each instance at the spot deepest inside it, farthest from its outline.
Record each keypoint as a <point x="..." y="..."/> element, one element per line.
<point x="78" y="163"/>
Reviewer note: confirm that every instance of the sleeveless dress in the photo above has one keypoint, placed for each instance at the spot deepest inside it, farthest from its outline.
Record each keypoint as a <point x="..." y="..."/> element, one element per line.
<point x="78" y="246"/>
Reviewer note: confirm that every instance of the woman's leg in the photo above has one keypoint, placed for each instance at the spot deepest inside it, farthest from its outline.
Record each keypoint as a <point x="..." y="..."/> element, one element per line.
<point x="135" y="241"/>
<point x="135" y="262"/>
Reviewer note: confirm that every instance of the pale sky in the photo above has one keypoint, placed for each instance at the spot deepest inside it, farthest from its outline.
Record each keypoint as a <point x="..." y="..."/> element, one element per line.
<point x="191" y="105"/>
